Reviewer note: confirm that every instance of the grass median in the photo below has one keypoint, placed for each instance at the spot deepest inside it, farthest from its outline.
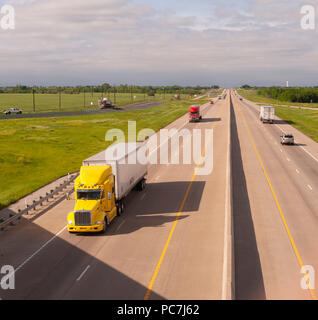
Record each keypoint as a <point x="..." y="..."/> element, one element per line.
<point x="35" y="152"/>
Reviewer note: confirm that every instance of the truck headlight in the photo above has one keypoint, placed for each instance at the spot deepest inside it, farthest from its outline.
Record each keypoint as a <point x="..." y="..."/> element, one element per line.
<point x="70" y="222"/>
<point x="99" y="222"/>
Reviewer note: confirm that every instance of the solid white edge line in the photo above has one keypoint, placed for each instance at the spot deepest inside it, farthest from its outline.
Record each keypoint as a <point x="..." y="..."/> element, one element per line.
<point x="120" y="225"/>
<point x="143" y="196"/>
<point x="82" y="274"/>
<point x="309" y="153"/>
<point x="56" y="235"/>
<point x="37" y="251"/>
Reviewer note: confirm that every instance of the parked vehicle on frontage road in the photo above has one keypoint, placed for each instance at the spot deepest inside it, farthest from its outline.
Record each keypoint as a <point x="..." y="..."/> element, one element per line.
<point x="13" y="111"/>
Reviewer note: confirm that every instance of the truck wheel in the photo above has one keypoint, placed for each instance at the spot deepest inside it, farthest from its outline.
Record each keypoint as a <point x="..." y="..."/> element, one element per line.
<point x="105" y="226"/>
<point x="142" y="185"/>
<point x="119" y="209"/>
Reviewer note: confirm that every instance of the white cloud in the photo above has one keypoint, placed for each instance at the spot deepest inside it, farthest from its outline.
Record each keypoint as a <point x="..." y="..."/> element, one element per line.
<point x="80" y="41"/>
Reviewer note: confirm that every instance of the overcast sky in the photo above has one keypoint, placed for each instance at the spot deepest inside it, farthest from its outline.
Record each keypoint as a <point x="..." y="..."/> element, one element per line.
<point x="158" y="42"/>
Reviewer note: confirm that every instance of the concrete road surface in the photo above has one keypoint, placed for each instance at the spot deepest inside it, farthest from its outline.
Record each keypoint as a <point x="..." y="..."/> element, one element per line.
<point x="173" y="242"/>
<point x="275" y="203"/>
<point x="169" y="244"/>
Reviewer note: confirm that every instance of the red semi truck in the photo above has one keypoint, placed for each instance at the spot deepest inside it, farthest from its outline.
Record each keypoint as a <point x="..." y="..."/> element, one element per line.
<point x="194" y="114"/>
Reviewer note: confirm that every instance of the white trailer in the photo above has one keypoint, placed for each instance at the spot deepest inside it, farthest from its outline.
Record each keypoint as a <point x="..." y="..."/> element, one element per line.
<point x="267" y="114"/>
<point x="129" y="172"/>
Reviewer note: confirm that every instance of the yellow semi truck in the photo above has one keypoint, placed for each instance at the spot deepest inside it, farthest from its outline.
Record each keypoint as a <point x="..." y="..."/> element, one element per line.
<point x="104" y="181"/>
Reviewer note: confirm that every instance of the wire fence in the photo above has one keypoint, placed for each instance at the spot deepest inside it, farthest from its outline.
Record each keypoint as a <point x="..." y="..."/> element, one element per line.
<point x="38" y="102"/>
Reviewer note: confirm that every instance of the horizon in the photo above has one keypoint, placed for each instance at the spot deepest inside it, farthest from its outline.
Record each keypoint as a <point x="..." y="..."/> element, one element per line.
<point x="58" y="43"/>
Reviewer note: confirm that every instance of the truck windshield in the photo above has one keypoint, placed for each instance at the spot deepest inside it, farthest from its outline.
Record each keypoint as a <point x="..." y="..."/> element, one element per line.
<point x="88" y="195"/>
<point x="194" y="112"/>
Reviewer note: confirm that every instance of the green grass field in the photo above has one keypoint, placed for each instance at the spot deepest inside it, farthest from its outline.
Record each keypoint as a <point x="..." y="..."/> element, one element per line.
<point x="302" y="119"/>
<point x="35" y="152"/>
<point x="50" y="102"/>
<point x="253" y="96"/>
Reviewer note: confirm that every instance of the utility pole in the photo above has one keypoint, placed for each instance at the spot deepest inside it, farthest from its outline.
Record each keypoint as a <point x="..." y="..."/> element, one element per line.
<point x="131" y="94"/>
<point x="33" y="93"/>
<point x="60" y="100"/>
<point x="84" y="98"/>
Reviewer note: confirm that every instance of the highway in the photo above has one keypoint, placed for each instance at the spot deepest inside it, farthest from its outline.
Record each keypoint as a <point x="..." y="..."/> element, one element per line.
<point x="276" y="200"/>
<point x="174" y="240"/>
<point x="167" y="244"/>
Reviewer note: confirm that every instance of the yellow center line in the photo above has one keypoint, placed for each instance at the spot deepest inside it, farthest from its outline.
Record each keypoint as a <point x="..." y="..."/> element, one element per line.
<point x="155" y="274"/>
<point x="312" y="292"/>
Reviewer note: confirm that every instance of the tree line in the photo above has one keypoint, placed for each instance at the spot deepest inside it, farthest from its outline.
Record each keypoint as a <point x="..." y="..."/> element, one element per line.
<point x="105" y="87"/>
<point x="302" y="95"/>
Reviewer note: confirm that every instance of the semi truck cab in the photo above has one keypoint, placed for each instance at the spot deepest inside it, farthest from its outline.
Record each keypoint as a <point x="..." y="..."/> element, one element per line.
<point x="104" y="181"/>
<point x="194" y="113"/>
<point x="95" y="205"/>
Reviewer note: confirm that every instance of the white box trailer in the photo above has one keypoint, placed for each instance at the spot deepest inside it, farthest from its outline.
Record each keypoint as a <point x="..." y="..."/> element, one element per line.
<point x="128" y="171"/>
<point x="267" y="114"/>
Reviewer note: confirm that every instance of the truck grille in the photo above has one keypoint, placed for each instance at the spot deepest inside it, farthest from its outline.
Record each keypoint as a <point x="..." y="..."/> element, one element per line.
<point x="83" y="218"/>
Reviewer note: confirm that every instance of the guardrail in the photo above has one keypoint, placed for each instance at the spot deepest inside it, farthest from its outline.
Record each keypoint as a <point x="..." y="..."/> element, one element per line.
<point x="13" y="217"/>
